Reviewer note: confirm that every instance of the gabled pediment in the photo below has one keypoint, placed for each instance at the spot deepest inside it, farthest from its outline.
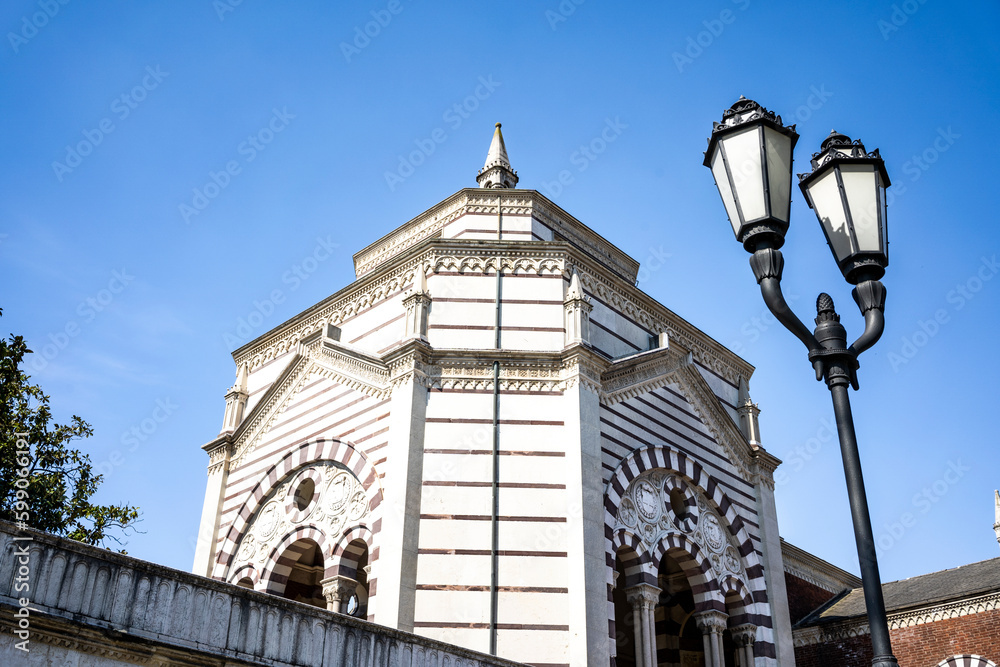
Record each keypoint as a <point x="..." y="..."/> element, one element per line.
<point x="319" y="355"/>
<point x="650" y="370"/>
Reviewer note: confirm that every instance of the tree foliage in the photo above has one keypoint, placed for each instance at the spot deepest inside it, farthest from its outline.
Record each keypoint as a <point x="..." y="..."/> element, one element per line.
<point x="44" y="483"/>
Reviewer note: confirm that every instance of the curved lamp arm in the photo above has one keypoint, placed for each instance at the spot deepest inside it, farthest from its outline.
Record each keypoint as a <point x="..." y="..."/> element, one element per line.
<point x="870" y="297"/>
<point x="767" y="264"/>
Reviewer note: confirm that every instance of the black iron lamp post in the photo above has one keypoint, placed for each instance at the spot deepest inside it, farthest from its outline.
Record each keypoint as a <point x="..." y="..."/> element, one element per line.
<point x="750" y="155"/>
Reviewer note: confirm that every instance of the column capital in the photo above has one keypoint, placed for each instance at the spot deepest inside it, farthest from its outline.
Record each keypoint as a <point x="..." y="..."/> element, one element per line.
<point x="711" y="621"/>
<point x="643" y="593"/>
<point x="337" y="590"/>
<point x="744" y="635"/>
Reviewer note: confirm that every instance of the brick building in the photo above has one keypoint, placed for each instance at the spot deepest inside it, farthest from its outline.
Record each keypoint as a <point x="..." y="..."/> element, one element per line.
<point x="942" y="619"/>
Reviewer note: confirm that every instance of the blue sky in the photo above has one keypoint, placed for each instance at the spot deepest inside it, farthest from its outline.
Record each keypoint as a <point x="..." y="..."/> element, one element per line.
<point x="174" y="169"/>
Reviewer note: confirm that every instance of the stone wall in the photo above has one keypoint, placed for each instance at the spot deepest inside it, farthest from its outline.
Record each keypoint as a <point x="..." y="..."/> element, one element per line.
<point x="92" y="607"/>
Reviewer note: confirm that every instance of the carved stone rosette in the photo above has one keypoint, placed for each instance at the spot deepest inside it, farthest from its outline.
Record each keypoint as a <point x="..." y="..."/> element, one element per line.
<point x="659" y="503"/>
<point x="337" y="500"/>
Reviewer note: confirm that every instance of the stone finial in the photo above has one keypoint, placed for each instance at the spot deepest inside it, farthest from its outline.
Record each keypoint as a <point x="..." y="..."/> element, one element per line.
<point x="748" y="412"/>
<point x="996" y="525"/>
<point x="577" y="309"/>
<point x="236" y="401"/>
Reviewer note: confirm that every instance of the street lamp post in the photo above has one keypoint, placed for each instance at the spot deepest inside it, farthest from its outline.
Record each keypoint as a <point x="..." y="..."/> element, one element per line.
<point x="750" y="155"/>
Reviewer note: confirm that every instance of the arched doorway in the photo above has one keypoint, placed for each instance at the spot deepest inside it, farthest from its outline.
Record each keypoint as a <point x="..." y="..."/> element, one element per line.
<point x="298" y="573"/>
<point x="679" y="641"/>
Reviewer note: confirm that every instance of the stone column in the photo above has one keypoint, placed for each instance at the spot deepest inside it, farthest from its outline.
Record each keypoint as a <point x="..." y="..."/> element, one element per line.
<point x="643" y="598"/>
<point x="712" y="624"/>
<point x="744" y="636"/>
<point x="338" y="591"/>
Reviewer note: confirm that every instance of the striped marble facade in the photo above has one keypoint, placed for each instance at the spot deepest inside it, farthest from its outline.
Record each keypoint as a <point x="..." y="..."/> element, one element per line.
<point x="364" y="425"/>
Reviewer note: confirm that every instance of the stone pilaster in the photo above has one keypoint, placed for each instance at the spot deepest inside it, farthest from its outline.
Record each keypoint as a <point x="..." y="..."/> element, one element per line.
<point x="401" y="488"/>
<point x="211" y="511"/>
<point x="770" y="546"/>
<point x="585" y="517"/>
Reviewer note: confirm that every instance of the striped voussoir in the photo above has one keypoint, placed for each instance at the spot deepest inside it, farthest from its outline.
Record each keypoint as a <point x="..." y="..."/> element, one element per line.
<point x="967" y="661"/>
<point x="329" y="449"/>
<point x="247" y="571"/>
<point x="287" y="553"/>
<point x="744" y="603"/>
<point x="348" y="549"/>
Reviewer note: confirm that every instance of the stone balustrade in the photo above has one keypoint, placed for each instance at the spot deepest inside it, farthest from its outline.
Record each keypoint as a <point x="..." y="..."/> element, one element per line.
<point x="99" y="608"/>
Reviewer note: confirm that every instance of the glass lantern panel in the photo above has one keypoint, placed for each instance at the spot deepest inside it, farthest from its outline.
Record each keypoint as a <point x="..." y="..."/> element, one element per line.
<point x="722" y="181"/>
<point x="743" y="153"/>
<point x="825" y="198"/>
<point x="779" y="172"/>
<point x="861" y="187"/>
<point x="883" y="207"/>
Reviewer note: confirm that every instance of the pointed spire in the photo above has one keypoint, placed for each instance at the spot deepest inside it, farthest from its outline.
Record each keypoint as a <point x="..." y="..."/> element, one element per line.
<point x="498" y="151"/>
<point x="497" y="172"/>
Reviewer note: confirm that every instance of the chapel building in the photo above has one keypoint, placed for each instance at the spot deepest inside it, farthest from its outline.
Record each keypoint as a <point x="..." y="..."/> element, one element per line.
<point x="493" y="438"/>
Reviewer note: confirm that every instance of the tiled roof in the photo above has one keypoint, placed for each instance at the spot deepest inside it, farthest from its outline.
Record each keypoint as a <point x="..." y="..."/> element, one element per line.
<point x="967" y="581"/>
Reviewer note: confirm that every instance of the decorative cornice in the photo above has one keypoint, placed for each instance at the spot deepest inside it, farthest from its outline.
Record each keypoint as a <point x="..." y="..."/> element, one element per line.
<point x="815" y="570"/>
<point x="641" y="373"/>
<point x="653" y="316"/>
<point x="858" y="626"/>
<point x="480" y="201"/>
<point x="515" y="257"/>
